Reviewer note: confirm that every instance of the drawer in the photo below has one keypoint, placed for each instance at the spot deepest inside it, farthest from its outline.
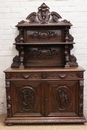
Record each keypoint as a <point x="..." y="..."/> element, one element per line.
<point x="23" y="75"/>
<point x="65" y="75"/>
<point x="44" y="75"/>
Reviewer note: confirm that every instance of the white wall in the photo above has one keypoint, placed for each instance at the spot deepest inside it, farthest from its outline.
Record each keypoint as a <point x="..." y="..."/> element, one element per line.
<point x="13" y="11"/>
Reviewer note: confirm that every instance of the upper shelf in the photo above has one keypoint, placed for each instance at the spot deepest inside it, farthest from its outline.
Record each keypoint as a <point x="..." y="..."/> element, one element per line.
<point x="45" y="43"/>
<point x="43" y="18"/>
<point x="28" y="24"/>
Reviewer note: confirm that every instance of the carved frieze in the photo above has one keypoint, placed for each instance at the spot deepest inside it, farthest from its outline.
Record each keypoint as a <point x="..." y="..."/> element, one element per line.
<point x="45" y="75"/>
<point x="26" y="76"/>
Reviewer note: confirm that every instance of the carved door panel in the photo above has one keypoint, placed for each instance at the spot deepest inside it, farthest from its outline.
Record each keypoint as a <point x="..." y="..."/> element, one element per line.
<point x="62" y="98"/>
<point x="27" y="98"/>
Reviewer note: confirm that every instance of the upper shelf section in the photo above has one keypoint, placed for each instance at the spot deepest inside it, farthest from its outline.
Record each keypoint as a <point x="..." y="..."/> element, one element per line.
<point x="44" y="27"/>
<point x="43" y="18"/>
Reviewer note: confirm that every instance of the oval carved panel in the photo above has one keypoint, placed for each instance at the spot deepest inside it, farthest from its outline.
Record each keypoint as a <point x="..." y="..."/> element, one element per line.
<point x="62" y="98"/>
<point x="26" y="98"/>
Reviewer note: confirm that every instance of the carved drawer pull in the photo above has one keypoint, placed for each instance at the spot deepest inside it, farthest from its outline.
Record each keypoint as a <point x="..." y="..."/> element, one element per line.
<point x="62" y="75"/>
<point x="26" y="76"/>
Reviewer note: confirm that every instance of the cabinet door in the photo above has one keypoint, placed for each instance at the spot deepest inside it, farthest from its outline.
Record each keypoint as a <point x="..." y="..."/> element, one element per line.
<point x="27" y="98"/>
<point x="61" y="98"/>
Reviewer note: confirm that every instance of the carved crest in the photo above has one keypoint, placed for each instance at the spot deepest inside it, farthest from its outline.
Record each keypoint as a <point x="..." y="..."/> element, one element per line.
<point x="43" y="15"/>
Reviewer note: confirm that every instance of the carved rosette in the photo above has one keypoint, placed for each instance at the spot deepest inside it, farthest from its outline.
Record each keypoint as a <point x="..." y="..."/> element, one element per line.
<point x="8" y="95"/>
<point x="26" y="98"/>
<point x="7" y="75"/>
<point x="80" y="74"/>
<point x="81" y="85"/>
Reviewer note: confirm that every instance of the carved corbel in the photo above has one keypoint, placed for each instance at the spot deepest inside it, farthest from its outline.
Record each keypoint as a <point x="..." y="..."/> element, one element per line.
<point x="72" y="61"/>
<point x="20" y="37"/>
<point x="66" y="34"/>
<point x="71" y="38"/>
<point x="16" y="62"/>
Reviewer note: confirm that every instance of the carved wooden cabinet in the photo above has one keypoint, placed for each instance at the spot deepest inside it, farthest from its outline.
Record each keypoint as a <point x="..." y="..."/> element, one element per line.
<point x="44" y="83"/>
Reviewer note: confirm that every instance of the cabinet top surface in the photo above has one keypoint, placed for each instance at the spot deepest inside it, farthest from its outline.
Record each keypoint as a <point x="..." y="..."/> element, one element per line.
<point x="42" y="69"/>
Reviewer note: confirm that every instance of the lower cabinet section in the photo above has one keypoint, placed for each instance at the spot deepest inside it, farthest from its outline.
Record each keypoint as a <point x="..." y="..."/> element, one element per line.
<point x="44" y="101"/>
<point x="49" y="98"/>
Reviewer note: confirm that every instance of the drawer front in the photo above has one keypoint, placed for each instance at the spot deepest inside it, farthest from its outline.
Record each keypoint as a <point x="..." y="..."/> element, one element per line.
<point x="44" y="75"/>
<point x="65" y="75"/>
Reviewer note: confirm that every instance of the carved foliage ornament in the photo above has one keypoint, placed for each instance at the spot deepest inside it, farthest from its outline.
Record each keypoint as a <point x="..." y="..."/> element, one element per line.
<point x="44" y="52"/>
<point x="44" y="35"/>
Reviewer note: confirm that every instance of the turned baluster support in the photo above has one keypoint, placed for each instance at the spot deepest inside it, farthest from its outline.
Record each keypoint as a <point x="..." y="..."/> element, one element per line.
<point x="21" y="57"/>
<point x="66" y="57"/>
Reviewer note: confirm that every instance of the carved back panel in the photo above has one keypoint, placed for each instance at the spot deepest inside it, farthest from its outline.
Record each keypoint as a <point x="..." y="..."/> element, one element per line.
<point x="46" y="55"/>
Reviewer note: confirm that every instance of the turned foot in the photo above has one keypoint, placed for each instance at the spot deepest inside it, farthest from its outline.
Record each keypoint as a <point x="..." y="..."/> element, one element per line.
<point x="9" y="124"/>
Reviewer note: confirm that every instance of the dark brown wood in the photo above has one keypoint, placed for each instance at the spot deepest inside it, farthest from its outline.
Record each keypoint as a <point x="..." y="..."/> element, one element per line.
<point x="44" y="83"/>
